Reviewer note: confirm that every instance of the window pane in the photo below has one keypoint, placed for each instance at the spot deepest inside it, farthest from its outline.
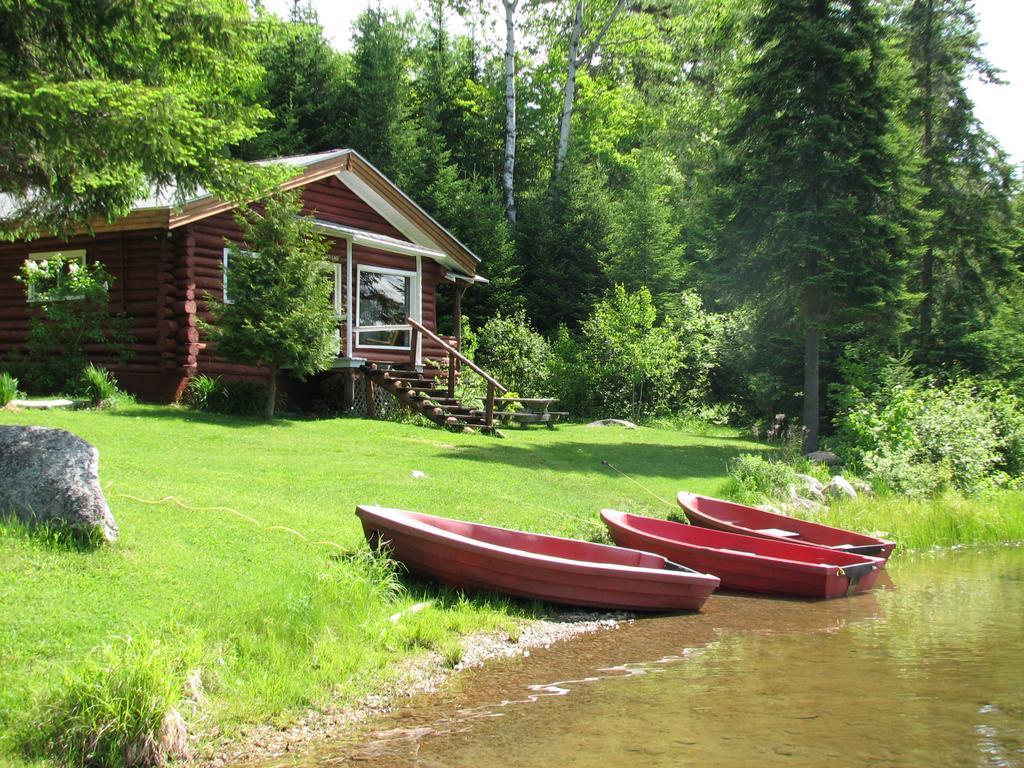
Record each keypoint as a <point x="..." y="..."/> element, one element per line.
<point x="384" y="338"/>
<point x="383" y="298"/>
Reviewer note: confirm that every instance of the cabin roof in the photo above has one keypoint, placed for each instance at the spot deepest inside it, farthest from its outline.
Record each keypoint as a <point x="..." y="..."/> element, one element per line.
<point x="165" y="208"/>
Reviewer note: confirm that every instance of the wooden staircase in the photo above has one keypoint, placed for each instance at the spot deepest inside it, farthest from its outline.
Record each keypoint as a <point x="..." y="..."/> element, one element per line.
<point x="423" y="394"/>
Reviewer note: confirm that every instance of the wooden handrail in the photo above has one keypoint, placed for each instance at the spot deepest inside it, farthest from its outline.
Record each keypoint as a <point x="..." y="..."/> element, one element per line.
<point x="453" y="351"/>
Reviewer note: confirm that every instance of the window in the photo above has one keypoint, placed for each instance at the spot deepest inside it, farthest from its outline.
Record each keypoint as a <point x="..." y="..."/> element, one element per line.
<point x="333" y="273"/>
<point x="384" y="302"/>
<point x="73" y="261"/>
<point x="224" y="279"/>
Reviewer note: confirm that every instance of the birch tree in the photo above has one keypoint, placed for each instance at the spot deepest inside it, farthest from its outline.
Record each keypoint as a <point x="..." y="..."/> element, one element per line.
<point x="508" y="173"/>
<point x="578" y="57"/>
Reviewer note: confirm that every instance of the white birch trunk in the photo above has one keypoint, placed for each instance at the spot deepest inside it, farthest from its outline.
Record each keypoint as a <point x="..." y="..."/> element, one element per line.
<point x="575" y="61"/>
<point x="508" y="175"/>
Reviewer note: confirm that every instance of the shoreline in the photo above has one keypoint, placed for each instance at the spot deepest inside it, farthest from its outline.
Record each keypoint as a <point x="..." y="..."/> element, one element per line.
<point x="424" y="674"/>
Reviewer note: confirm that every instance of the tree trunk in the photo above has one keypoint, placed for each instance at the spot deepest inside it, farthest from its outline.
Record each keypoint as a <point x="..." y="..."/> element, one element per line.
<point x="569" y="92"/>
<point x="271" y="393"/>
<point x="575" y="61"/>
<point x="508" y="175"/>
<point x="928" y="263"/>
<point x="812" y="383"/>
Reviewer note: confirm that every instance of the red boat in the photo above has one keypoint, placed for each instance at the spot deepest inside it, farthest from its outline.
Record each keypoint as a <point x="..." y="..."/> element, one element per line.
<point x="748" y="563"/>
<point x="482" y="557"/>
<point x="739" y="518"/>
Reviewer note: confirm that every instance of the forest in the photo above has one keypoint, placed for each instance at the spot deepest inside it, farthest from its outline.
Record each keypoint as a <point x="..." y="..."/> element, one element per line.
<point x="710" y="209"/>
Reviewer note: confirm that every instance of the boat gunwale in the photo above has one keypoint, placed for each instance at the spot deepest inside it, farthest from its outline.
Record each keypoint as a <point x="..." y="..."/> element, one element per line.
<point x="423" y="530"/>
<point x="864" y="539"/>
<point x="796" y="565"/>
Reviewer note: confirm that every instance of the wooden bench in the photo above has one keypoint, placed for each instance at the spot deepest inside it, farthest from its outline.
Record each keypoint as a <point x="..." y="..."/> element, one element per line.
<point x="532" y="410"/>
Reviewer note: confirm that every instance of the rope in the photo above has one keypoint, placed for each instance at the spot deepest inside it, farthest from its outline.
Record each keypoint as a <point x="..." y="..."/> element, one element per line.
<point x="637" y="482"/>
<point x="253" y="520"/>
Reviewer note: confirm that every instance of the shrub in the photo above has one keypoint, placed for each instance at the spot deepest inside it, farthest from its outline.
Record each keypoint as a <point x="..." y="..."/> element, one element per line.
<point x="8" y="388"/>
<point x="233" y="398"/>
<point x="72" y="303"/>
<point x="115" y="709"/>
<point x="99" y="384"/>
<point x="917" y="438"/>
<point x="754" y="478"/>
<point x="515" y="354"/>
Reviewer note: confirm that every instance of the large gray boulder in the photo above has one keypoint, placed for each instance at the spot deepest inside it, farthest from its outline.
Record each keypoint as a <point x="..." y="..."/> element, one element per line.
<point x="51" y="477"/>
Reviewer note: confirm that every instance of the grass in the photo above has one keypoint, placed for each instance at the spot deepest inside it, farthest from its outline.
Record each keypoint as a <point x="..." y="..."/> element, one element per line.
<point x="261" y="565"/>
<point x="946" y="521"/>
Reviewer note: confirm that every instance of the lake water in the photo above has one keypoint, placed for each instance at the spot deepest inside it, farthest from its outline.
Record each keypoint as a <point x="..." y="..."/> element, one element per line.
<point x="927" y="670"/>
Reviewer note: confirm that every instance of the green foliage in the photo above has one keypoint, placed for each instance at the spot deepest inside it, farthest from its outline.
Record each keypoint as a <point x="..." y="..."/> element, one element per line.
<point x="515" y="354"/>
<point x="71" y="300"/>
<point x="303" y="85"/>
<point x="109" y="711"/>
<point x="755" y="478"/>
<point x="8" y="388"/>
<point x="234" y="398"/>
<point x="281" y="312"/>
<point x="101" y="103"/>
<point x="917" y="438"/>
<point x="625" y="364"/>
<point x="99" y="385"/>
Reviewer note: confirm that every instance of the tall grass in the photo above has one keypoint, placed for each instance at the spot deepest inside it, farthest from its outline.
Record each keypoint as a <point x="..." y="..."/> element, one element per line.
<point x="945" y="521"/>
<point x="8" y="388"/>
<point x="116" y="708"/>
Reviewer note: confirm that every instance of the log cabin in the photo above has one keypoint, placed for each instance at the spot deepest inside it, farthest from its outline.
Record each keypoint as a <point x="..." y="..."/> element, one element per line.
<point x="389" y="260"/>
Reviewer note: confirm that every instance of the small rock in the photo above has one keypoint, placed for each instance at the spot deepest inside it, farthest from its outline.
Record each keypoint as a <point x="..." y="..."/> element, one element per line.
<point x="51" y="477"/>
<point x="613" y="423"/>
<point x="823" y="457"/>
<point x="862" y="486"/>
<point x="811" y="482"/>
<point x="770" y="508"/>
<point x="420" y="474"/>
<point x="839" y="486"/>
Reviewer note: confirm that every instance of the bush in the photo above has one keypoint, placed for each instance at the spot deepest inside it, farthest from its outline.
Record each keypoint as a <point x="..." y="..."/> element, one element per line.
<point x="515" y="354"/>
<point x="115" y="709"/>
<point x="914" y="437"/>
<point x="72" y="303"/>
<point x="754" y="478"/>
<point x="99" y="385"/>
<point x="233" y="398"/>
<point x="8" y="388"/>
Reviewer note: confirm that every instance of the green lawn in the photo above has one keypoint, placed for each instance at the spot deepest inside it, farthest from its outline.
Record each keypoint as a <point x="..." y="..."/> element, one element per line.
<point x="281" y="613"/>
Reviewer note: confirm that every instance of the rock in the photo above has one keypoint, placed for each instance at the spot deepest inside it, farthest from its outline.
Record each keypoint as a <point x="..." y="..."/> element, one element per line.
<point x="43" y="405"/>
<point x="770" y="508"/>
<point x="810" y="481"/>
<point x="839" y="486"/>
<point x="823" y="457"/>
<point x="862" y="486"/>
<point x="51" y="477"/>
<point x="613" y="423"/>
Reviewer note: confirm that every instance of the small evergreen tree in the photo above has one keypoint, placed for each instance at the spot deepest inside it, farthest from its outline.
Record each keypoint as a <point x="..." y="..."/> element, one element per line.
<point x="280" y="313"/>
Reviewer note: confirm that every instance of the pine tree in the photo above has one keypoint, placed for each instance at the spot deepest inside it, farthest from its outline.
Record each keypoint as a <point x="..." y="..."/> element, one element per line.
<point x="280" y="313"/>
<point x="816" y="194"/>
<point x="967" y="179"/>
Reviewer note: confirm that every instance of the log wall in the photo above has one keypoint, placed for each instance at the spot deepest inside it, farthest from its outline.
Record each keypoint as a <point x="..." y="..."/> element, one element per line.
<point x="135" y="259"/>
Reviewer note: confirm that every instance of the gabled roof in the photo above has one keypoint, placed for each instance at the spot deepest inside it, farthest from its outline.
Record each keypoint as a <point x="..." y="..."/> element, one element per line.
<point x="358" y="174"/>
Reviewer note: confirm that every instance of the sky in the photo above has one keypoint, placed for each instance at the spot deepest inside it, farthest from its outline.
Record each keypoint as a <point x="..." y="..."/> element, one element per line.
<point x="1000" y="23"/>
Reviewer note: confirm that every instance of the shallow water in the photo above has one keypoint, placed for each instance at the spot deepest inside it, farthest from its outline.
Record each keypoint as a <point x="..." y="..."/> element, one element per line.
<point x="927" y="670"/>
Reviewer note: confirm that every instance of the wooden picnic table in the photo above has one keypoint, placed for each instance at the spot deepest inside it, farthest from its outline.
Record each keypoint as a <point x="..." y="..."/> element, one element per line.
<point x="532" y="410"/>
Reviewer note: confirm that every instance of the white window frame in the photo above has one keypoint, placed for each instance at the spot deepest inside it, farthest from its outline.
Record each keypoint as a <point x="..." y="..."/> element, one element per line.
<point x="74" y="254"/>
<point x="414" y="290"/>
<point x="335" y="269"/>
<point x="224" y="271"/>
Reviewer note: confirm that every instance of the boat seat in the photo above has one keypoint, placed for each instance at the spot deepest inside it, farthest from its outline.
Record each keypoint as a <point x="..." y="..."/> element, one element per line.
<point x="777" y="532"/>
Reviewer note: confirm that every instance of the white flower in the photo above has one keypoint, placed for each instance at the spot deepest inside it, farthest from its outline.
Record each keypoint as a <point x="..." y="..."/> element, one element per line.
<point x="31" y="267"/>
<point x="44" y="264"/>
<point x="72" y="267"/>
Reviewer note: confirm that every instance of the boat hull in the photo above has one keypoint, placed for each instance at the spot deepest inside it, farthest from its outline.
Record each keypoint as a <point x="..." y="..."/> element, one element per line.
<point x="739" y="518"/>
<point x="747" y="563"/>
<point x="476" y="557"/>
